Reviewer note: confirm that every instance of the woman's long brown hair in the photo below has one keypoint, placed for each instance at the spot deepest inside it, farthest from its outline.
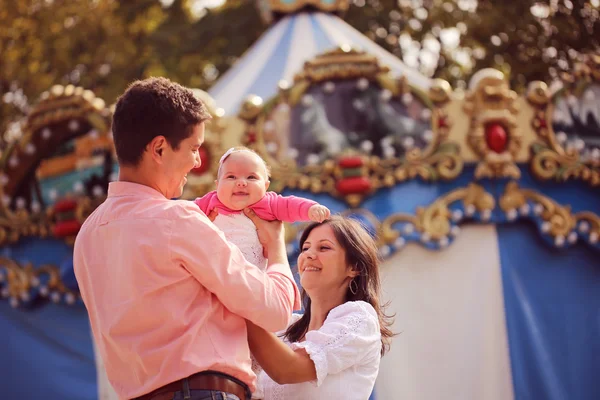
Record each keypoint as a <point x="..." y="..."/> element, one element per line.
<point x="361" y="255"/>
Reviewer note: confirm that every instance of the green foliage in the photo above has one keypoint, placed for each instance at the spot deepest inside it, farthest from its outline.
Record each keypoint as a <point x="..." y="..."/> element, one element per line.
<point x="103" y="45"/>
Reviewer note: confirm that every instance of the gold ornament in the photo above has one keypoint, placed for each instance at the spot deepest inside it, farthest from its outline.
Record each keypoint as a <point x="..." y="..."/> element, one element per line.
<point x="490" y="101"/>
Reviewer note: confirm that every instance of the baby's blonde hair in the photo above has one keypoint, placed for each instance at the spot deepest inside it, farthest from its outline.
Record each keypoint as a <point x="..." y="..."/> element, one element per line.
<point x="239" y="149"/>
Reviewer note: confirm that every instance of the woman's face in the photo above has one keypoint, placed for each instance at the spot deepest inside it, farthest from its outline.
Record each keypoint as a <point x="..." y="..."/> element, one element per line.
<point x="322" y="262"/>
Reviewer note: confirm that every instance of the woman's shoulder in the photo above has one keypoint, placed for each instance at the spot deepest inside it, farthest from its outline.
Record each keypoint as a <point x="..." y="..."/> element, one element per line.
<point x="358" y="316"/>
<point x="356" y="308"/>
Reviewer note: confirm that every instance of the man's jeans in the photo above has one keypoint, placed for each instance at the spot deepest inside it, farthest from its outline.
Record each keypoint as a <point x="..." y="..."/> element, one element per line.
<point x="204" y="395"/>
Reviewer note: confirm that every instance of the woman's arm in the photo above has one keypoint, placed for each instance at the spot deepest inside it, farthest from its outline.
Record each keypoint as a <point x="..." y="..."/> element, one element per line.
<point x="281" y="363"/>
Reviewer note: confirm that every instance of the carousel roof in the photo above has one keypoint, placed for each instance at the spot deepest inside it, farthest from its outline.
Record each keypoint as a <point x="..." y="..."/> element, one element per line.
<point x="282" y="51"/>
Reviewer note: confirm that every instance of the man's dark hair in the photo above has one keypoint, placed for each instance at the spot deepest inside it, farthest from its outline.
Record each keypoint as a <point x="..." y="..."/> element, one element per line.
<point x="154" y="107"/>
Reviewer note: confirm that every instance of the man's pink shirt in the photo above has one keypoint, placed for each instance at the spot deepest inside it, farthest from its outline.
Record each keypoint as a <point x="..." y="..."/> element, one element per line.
<point x="167" y="295"/>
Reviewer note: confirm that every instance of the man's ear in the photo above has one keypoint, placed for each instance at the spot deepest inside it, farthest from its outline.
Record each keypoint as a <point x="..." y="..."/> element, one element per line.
<point x="157" y="147"/>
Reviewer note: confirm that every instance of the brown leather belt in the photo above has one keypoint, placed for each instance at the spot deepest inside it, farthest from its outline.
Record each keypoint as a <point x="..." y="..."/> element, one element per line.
<point x="200" y="381"/>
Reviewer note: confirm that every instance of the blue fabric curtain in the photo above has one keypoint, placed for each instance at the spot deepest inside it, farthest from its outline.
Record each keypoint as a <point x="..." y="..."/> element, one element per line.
<point x="46" y="353"/>
<point x="552" y="302"/>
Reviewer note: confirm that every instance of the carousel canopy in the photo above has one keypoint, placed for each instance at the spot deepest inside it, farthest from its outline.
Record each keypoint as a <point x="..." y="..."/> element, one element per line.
<point x="282" y="51"/>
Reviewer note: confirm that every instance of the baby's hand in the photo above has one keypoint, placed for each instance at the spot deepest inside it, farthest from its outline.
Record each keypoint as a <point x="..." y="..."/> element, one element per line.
<point x="318" y="213"/>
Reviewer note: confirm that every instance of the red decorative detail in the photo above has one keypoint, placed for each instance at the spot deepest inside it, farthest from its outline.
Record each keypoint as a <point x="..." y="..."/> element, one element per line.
<point x="205" y="159"/>
<point x="442" y="122"/>
<point x="496" y="137"/>
<point x="350" y="162"/>
<point x="66" y="228"/>
<point x="65" y="205"/>
<point x="543" y="123"/>
<point x="250" y="136"/>
<point x="357" y="184"/>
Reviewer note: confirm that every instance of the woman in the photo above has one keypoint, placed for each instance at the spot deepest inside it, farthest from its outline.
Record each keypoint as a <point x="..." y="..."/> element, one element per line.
<point x="334" y="349"/>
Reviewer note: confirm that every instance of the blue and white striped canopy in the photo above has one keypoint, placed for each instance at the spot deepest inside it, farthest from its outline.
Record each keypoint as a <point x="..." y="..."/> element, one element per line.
<point x="281" y="52"/>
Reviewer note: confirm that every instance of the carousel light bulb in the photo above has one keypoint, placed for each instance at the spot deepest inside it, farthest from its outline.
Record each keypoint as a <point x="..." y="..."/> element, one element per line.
<point x="30" y="148"/>
<point x="385" y="251"/>
<point x="385" y="95"/>
<point x="269" y="126"/>
<point x="457" y="215"/>
<point x="70" y="298"/>
<point x="389" y="152"/>
<point x="307" y="100"/>
<point x="407" y="98"/>
<point x="470" y="210"/>
<point x="3" y="179"/>
<point x="55" y="297"/>
<point x="362" y="84"/>
<point x="14" y="302"/>
<point x="426" y="114"/>
<point x="559" y="240"/>
<point x="53" y="194"/>
<point x="13" y="161"/>
<point x="78" y="187"/>
<point x="572" y="238"/>
<point x="455" y="231"/>
<point x="584" y="227"/>
<point x="312" y="159"/>
<point x="486" y="215"/>
<point x="46" y="133"/>
<point x="292" y="153"/>
<point x="329" y="87"/>
<point x="546" y="226"/>
<point x="561" y="137"/>
<point x="73" y="125"/>
<point x="444" y="242"/>
<point x="20" y="203"/>
<point x="408" y="142"/>
<point x="400" y="242"/>
<point x="525" y="209"/>
<point x="367" y="146"/>
<point x="97" y="191"/>
<point x="408" y="229"/>
<point x="428" y="135"/>
<point x="271" y="147"/>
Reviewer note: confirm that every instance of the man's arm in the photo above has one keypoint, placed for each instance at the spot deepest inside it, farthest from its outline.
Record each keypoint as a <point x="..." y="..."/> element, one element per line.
<point x="265" y="298"/>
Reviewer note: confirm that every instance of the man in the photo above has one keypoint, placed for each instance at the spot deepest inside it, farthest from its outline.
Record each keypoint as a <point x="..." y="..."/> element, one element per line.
<point x="167" y="295"/>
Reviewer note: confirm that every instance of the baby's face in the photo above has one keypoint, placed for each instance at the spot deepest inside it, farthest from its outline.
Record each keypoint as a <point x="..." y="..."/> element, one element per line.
<point x="243" y="180"/>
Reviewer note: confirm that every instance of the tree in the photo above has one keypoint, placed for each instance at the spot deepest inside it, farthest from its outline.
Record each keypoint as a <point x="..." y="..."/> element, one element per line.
<point x="103" y="45"/>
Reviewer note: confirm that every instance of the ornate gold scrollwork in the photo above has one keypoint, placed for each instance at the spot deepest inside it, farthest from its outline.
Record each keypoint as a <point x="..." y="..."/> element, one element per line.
<point x="558" y="220"/>
<point x="491" y="106"/>
<point x="438" y="160"/>
<point x="17" y="281"/>
<point x="550" y="159"/>
<point x="433" y="222"/>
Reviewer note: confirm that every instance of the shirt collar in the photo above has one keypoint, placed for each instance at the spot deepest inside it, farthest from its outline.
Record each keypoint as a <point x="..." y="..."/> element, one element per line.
<point x="120" y="189"/>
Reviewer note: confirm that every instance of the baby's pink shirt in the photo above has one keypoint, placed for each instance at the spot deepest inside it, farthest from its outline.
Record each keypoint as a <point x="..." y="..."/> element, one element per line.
<point x="271" y="207"/>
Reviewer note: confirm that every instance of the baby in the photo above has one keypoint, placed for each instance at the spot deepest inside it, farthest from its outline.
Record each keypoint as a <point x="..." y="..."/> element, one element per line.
<point x="242" y="182"/>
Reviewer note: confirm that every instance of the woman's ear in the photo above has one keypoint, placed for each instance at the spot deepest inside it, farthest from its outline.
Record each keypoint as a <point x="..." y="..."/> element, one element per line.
<point x="353" y="271"/>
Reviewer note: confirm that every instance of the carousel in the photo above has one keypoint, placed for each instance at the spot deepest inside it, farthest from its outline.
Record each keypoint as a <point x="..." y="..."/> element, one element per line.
<point x="485" y="204"/>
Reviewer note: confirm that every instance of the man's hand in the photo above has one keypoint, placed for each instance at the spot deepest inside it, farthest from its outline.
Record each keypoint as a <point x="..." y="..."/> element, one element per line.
<point x="213" y="214"/>
<point x="318" y="213"/>
<point x="270" y="235"/>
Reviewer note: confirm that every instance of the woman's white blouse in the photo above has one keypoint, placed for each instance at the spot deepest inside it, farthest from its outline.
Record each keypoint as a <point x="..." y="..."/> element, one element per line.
<point x="346" y="352"/>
